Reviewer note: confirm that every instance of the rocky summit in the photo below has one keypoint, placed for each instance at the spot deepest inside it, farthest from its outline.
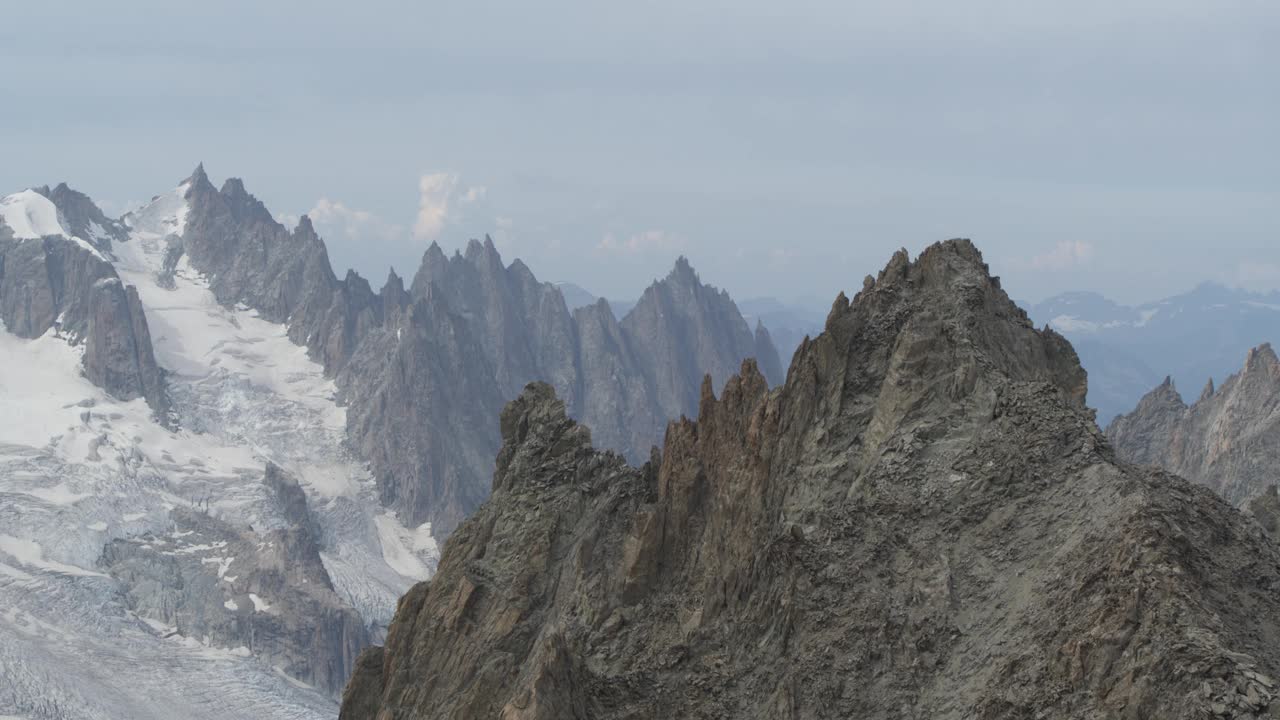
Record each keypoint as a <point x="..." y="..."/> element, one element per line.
<point x="1229" y="439"/>
<point x="924" y="521"/>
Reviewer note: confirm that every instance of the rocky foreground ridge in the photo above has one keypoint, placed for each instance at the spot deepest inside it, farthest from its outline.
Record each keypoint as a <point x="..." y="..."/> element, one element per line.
<point x="1229" y="439"/>
<point x="923" y="522"/>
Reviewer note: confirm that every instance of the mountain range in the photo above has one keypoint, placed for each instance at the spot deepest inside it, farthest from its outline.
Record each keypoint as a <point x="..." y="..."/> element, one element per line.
<point x="233" y="462"/>
<point x="1228" y="439"/>
<point x="923" y="521"/>
<point x="1192" y="338"/>
<point x="239" y="467"/>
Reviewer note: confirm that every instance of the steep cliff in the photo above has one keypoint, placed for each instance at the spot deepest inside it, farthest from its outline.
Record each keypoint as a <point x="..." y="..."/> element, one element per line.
<point x="1229" y="439"/>
<point x="924" y="521"/>
<point x="55" y="280"/>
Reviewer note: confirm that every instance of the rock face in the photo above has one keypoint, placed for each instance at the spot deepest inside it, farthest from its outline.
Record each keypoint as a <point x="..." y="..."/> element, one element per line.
<point x="1229" y="439"/>
<point x="58" y="281"/>
<point x="924" y="521"/>
<point x="425" y="370"/>
<point x="267" y="592"/>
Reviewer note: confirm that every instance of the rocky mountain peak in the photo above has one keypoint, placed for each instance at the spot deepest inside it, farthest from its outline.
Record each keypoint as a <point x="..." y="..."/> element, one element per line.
<point x="434" y="269"/>
<point x="82" y="218"/>
<point x="1207" y="391"/>
<point x="925" y="505"/>
<point x="1229" y="439"/>
<point x="1262" y="359"/>
<point x="199" y="178"/>
<point x="249" y="209"/>
<point x="537" y="434"/>
<point x="483" y="254"/>
<point x="394" y="283"/>
<point x="683" y="273"/>
<point x="306" y="230"/>
<point x="434" y="254"/>
<point x="946" y="311"/>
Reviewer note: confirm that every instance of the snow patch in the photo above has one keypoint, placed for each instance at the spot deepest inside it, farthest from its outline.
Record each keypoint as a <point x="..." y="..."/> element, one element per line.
<point x="231" y="605"/>
<point x="164" y="216"/>
<point x="31" y="215"/>
<point x="30" y="554"/>
<point x="1071" y="323"/>
<point x="223" y="564"/>
<point x="405" y="550"/>
<point x="1264" y="306"/>
<point x="259" y="605"/>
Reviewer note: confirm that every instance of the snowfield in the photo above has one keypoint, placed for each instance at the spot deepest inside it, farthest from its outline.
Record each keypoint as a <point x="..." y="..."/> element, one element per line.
<point x="31" y="216"/>
<point x="79" y="469"/>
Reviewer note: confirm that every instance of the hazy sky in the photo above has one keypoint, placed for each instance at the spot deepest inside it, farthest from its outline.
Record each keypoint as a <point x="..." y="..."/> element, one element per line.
<point x="786" y="147"/>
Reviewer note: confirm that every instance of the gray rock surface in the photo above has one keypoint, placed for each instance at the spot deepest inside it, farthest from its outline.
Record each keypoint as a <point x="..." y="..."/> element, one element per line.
<point x="923" y="522"/>
<point x="1229" y="439"/>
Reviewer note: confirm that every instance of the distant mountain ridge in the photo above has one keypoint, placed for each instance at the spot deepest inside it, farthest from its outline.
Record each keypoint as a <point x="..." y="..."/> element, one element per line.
<point x="469" y="332"/>
<point x="788" y="323"/>
<point x="1228" y="439"/>
<point x="1190" y="337"/>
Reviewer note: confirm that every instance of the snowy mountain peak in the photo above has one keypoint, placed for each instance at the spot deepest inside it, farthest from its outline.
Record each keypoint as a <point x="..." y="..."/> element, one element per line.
<point x="152" y="224"/>
<point x="31" y="216"/>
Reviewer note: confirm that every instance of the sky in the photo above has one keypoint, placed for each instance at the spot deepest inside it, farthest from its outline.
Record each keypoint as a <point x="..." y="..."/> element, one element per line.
<point x="787" y="149"/>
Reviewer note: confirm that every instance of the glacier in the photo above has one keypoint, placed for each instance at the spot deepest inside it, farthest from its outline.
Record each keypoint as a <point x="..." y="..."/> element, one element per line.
<point x="80" y="470"/>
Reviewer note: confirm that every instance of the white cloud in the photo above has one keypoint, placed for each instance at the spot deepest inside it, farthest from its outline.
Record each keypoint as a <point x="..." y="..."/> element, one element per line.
<point x="439" y="195"/>
<point x="1065" y="255"/>
<point x="434" y="193"/>
<point x="335" y="219"/>
<point x="642" y="242"/>
<point x="289" y="220"/>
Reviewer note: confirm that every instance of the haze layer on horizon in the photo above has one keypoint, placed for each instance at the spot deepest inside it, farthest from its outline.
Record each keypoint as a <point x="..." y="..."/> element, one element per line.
<point x="786" y="149"/>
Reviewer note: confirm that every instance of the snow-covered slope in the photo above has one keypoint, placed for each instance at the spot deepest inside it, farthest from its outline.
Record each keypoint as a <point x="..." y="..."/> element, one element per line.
<point x="30" y="216"/>
<point x="79" y="470"/>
